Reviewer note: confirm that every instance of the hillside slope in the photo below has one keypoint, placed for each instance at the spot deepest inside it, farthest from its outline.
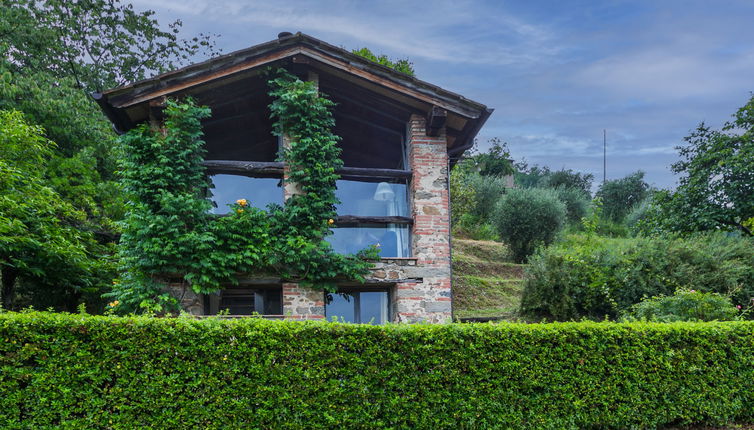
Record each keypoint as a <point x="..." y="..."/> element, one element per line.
<point x="485" y="282"/>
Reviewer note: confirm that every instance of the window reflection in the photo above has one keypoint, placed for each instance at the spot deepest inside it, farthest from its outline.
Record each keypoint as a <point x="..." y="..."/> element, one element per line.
<point x="371" y="198"/>
<point x="259" y="192"/>
<point x="361" y="307"/>
<point x="392" y="239"/>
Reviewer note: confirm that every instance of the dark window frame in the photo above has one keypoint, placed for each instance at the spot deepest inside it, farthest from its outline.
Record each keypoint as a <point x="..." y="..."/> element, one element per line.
<point x="355" y="293"/>
<point x="259" y="291"/>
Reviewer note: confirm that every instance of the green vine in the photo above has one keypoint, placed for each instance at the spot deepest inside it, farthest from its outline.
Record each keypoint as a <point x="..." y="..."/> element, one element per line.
<point x="169" y="232"/>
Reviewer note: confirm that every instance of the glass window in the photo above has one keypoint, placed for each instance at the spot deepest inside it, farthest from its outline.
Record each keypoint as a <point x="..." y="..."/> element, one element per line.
<point x="246" y="301"/>
<point x="259" y="192"/>
<point x="361" y="307"/>
<point x="393" y="239"/>
<point x="371" y="198"/>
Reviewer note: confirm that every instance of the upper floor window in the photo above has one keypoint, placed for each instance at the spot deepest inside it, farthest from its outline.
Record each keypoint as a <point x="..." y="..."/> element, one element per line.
<point x="369" y="213"/>
<point x="371" y="198"/>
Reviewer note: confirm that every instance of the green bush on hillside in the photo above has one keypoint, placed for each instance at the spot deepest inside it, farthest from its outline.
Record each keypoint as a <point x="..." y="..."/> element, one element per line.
<point x="75" y="371"/>
<point x="684" y="305"/>
<point x="576" y="203"/>
<point x="527" y="218"/>
<point x="594" y="277"/>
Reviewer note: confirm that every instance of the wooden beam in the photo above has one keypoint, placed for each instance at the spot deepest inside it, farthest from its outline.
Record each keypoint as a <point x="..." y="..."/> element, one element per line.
<point x="251" y="168"/>
<point x="365" y="172"/>
<point x="436" y="119"/>
<point x="248" y="168"/>
<point x="353" y="219"/>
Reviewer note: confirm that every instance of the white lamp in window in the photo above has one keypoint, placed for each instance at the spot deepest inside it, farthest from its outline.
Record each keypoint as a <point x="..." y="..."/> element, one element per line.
<point x="384" y="192"/>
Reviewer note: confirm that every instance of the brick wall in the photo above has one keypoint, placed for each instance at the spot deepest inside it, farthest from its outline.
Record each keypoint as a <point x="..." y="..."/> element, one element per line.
<point x="430" y="299"/>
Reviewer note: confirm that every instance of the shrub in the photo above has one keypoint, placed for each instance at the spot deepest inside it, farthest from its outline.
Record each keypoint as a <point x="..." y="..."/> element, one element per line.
<point x="576" y="203"/>
<point x="74" y="371"/>
<point x="488" y="191"/>
<point x="528" y="217"/>
<point x="684" y="305"/>
<point x="471" y="227"/>
<point x="591" y="277"/>
<point x="619" y="196"/>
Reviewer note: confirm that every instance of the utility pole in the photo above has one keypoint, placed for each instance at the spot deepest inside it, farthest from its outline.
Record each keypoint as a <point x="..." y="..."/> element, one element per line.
<point x="604" y="155"/>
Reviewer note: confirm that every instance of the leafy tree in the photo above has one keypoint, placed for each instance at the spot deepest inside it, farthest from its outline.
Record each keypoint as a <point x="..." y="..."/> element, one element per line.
<point x="527" y="218"/>
<point x="40" y="238"/>
<point x="620" y="196"/>
<point x="495" y="162"/>
<point x="577" y="205"/>
<point x="52" y="53"/>
<point x="716" y="189"/>
<point x="400" y="65"/>
<point x="99" y="43"/>
<point x="543" y="177"/>
<point x="563" y="178"/>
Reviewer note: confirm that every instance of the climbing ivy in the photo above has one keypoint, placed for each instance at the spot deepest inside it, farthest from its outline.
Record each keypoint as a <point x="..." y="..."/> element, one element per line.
<point x="170" y="233"/>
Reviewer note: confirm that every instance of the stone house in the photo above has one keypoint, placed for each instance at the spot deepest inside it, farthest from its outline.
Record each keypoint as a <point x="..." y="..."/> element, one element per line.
<point x="400" y="138"/>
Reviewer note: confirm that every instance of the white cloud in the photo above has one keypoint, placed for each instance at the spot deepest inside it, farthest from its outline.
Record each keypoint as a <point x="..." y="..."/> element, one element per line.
<point x="450" y="32"/>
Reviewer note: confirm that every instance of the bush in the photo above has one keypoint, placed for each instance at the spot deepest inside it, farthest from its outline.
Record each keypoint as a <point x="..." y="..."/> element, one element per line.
<point x="684" y="305"/>
<point x="597" y="278"/>
<point x="528" y="217"/>
<point x="74" y="371"/>
<point x="619" y="196"/>
<point x="471" y="227"/>
<point x="576" y="203"/>
<point x="488" y="191"/>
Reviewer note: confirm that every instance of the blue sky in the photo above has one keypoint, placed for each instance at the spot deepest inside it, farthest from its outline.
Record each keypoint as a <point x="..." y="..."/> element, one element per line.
<point x="556" y="72"/>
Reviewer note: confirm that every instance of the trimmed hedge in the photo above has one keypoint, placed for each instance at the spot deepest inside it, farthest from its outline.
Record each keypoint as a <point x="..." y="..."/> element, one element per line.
<point x="74" y="372"/>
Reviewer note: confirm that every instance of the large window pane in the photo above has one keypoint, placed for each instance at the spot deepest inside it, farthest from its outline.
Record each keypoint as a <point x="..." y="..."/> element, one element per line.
<point x="393" y="239"/>
<point x="373" y="307"/>
<point x="259" y="192"/>
<point x="363" y="307"/>
<point x="342" y="307"/>
<point x="371" y="198"/>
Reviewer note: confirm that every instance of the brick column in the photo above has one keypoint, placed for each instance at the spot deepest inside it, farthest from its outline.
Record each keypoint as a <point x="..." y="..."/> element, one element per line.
<point x="427" y="301"/>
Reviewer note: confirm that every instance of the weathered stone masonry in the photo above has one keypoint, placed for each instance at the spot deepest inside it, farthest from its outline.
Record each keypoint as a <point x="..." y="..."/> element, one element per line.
<point x="430" y="299"/>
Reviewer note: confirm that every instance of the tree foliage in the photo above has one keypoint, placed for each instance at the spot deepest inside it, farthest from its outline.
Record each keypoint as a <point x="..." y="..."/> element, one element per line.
<point x="527" y="218"/>
<point x="620" y="196"/>
<point x="542" y="177"/>
<point x="716" y="189"/>
<point x="41" y="239"/>
<point x="99" y="43"/>
<point x="52" y="53"/>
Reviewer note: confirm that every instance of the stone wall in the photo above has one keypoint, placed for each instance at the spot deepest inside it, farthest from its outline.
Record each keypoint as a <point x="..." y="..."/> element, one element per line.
<point x="429" y="298"/>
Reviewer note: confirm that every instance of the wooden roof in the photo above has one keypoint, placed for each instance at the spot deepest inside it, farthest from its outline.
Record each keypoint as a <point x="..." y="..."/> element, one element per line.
<point x="355" y="79"/>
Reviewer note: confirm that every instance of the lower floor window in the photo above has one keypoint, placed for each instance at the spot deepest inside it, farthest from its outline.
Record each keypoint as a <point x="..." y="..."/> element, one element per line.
<point x="358" y="306"/>
<point x="246" y="301"/>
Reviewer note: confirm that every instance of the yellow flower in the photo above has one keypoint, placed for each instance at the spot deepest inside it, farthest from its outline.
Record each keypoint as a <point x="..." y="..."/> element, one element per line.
<point x="113" y="304"/>
<point x="331" y="221"/>
<point x="239" y="210"/>
<point x="242" y="202"/>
